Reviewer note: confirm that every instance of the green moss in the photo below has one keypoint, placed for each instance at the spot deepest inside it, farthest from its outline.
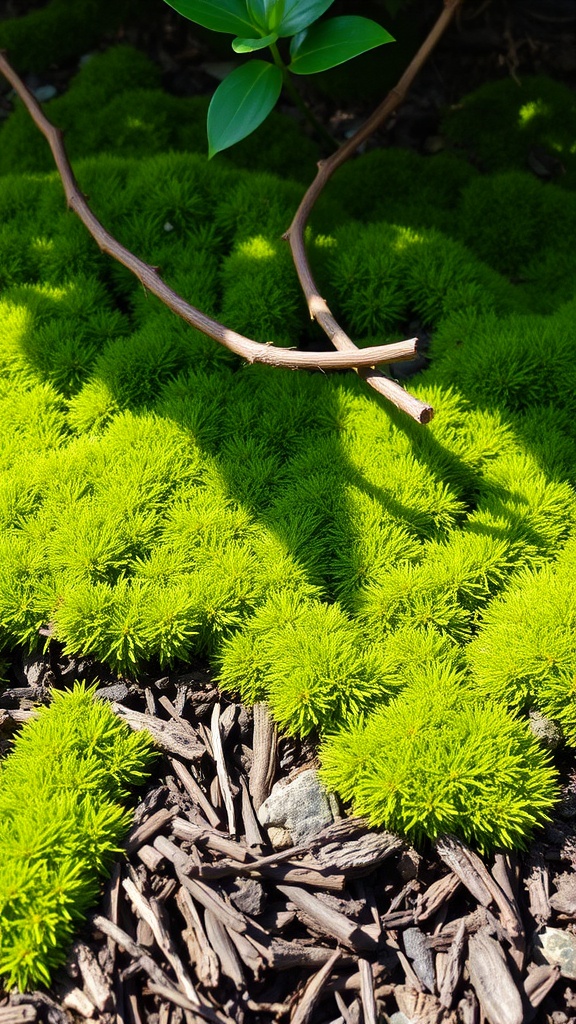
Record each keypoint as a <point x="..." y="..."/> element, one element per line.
<point x="161" y="500"/>
<point x="500" y="123"/>
<point x="115" y="105"/>
<point x="261" y="296"/>
<point x="62" y="791"/>
<point x="58" y="31"/>
<point x="435" y="761"/>
<point x="510" y="219"/>
<point x="403" y="188"/>
<point x="526" y="660"/>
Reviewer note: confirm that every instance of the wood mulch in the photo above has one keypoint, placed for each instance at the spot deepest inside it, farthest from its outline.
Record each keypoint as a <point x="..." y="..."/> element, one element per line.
<point x="203" y="920"/>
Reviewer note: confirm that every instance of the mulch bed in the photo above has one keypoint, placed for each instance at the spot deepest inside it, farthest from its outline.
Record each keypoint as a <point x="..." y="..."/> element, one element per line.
<point x="203" y="920"/>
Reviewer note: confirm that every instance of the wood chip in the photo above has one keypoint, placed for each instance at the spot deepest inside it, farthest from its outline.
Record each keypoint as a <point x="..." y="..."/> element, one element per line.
<point x="265" y="745"/>
<point x="472" y="872"/>
<point x="419" y="1006"/>
<point x="201" y="953"/>
<point x="303" y="1010"/>
<point x="221" y="943"/>
<point x="348" y="846"/>
<point x="538" y="885"/>
<point x="492" y="981"/>
<point x="96" y="985"/>
<point x="18" y="1014"/>
<point x="453" y="967"/>
<point x="222" y="771"/>
<point x="176" y="997"/>
<point x="436" y="895"/>
<point x="144" y="960"/>
<point x="330" y="922"/>
<point x="171" y="737"/>
<point x="367" y="992"/>
<point x="540" y="981"/>
<point x="196" y="793"/>
<point x="148" y="828"/>
<point x="74" y="999"/>
<point x="211" y="838"/>
<point x="150" y="913"/>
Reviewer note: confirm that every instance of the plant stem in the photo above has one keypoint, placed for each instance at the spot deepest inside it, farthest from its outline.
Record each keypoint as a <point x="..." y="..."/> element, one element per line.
<point x="295" y="95"/>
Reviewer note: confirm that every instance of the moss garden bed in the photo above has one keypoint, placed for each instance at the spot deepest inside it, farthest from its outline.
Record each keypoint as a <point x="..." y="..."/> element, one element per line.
<point x="405" y="594"/>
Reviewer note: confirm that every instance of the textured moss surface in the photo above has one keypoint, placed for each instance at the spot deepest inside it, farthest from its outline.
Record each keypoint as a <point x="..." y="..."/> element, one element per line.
<point x="159" y="499"/>
<point x="63" y="789"/>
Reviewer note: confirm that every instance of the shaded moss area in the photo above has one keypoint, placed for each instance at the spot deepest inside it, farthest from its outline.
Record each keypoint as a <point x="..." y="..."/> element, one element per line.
<point x="159" y="499"/>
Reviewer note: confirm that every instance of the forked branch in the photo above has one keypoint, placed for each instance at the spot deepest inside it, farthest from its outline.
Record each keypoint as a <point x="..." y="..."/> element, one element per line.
<point x="317" y="306"/>
<point x="250" y="350"/>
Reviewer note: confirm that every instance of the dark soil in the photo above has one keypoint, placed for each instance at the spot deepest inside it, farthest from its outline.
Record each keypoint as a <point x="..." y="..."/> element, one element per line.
<point x="411" y="932"/>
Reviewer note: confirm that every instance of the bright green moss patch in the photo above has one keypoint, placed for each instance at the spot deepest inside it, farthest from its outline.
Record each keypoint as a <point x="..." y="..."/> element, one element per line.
<point x="525" y="651"/>
<point x="436" y="761"/>
<point x="62" y="817"/>
<point x="160" y="500"/>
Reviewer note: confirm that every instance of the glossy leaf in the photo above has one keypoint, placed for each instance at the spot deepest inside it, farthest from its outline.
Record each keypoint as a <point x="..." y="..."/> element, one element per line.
<point x="298" y="14"/>
<point x="332" y="42"/>
<point x="267" y="14"/>
<point x="240" y="45"/>
<point x="218" y="15"/>
<point x="241" y="102"/>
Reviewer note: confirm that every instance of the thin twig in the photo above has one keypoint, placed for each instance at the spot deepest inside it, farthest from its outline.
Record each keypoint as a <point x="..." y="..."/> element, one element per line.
<point x="222" y="770"/>
<point x="318" y="307"/>
<point x="252" y="351"/>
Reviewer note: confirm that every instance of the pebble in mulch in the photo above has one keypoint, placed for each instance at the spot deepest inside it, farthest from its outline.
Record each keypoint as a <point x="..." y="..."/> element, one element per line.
<point x="203" y="920"/>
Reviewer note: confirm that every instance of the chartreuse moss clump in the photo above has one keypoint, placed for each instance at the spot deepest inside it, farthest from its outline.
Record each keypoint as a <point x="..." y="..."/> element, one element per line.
<point x="524" y="654"/>
<point x="63" y="814"/>
<point x="159" y="500"/>
<point x="436" y="759"/>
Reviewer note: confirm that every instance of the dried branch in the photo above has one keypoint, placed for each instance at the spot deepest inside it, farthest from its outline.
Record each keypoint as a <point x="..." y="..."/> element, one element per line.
<point x="252" y="351"/>
<point x="318" y="307"/>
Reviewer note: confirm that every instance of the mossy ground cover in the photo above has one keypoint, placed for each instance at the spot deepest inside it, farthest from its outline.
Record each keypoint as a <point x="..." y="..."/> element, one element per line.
<point x="406" y="593"/>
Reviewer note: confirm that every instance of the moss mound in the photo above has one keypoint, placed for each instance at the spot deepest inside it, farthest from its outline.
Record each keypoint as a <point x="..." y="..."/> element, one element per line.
<point x="357" y="571"/>
<point x="62" y="794"/>
<point x="510" y="125"/>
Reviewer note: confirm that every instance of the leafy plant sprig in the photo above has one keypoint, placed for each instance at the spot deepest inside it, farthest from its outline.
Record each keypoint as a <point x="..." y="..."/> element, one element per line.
<point x="248" y="94"/>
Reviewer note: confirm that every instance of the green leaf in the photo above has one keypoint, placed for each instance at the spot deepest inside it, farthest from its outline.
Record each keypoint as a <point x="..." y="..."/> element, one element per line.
<point x="332" y="42"/>
<point x="267" y="14"/>
<point x="298" y="14"/>
<point x="218" y="15"/>
<point x="241" y="102"/>
<point x="240" y="45"/>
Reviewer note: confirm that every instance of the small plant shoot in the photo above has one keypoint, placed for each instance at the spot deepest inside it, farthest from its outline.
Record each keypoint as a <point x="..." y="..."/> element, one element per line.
<point x="247" y="95"/>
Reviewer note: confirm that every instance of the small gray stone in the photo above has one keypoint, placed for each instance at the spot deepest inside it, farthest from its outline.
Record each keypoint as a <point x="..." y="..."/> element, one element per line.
<point x="564" y="899"/>
<point x="418" y="951"/>
<point x="558" y="946"/>
<point x="544" y="729"/>
<point x="248" y="896"/>
<point x="45" y="92"/>
<point x="301" y="806"/>
<point x="280" y="838"/>
<point x="398" y="1018"/>
<point x="117" y="691"/>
